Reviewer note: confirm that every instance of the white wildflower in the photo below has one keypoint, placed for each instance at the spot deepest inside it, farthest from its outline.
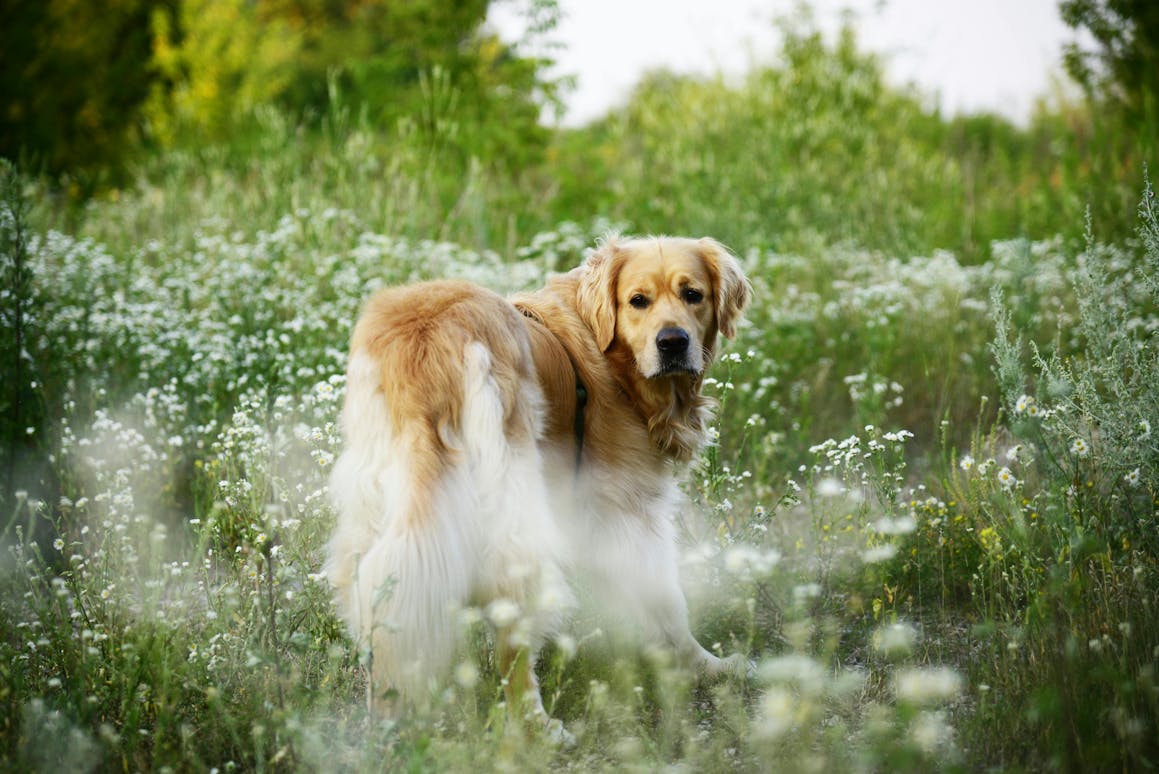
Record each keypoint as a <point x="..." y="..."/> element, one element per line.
<point x="882" y="553"/>
<point x="808" y="675"/>
<point x="502" y="613"/>
<point x="466" y="675"/>
<point x="894" y="640"/>
<point x="931" y="732"/>
<point x="927" y="685"/>
<point x="778" y="708"/>
<point x="829" y="487"/>
<point x="902" y="525"/>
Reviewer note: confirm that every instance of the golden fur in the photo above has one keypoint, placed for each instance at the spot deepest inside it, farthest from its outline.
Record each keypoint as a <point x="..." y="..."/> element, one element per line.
<point x="459" y="483"/>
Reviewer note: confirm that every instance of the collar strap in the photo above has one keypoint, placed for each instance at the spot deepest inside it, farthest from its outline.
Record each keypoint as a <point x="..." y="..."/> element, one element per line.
<point x="581" y="401"/>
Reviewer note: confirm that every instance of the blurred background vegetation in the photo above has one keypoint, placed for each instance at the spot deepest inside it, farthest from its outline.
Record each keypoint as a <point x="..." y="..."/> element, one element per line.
<point x="812" y="147"/>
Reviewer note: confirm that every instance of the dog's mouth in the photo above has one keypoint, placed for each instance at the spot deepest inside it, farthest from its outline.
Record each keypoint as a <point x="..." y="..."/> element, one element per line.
<point x="675" y="369"/>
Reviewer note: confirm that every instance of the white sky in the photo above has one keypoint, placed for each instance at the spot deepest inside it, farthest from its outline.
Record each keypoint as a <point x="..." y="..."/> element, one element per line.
<point x="970" y="55"/>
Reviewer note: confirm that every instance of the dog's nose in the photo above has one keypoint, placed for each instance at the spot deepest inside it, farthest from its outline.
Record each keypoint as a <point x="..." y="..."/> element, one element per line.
<point x="672" y="341"/>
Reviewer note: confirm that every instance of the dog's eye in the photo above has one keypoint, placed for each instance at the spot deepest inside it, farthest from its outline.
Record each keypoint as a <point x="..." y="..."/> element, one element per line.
<point x="692" y="295"/>
<point x="638" y="301"/>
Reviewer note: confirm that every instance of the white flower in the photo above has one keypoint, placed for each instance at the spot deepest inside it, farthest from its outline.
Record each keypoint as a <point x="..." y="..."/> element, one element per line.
<point x="466" y="675"/>
<point x="744" y="560"/>
<point x="1132" y="478"/>
<point x="1079" y="447"/>
<point x="829" y="487"/>
<point x="1023" y="404"/>
<point x="778" y="710"/>
<point x="502" y="613"/>
<point x="1144" y="428"/>
<point x="794" y="669"/>
<point x="966" y="463"/>
<point x="1007" y="479"/>
<point x="927" y="685"/>
<point x="895" y="639"/>
<point x="567" y="646"/>
<point x="58" y="544"/>
<point x="880" y="553"/>
<point x="931" y="732"/>
<point x="902" y="525"/>
<point x="806" y="591"/>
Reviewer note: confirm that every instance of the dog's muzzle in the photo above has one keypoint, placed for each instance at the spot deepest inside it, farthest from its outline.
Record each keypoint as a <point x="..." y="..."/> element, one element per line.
<point x="673" y="346"/>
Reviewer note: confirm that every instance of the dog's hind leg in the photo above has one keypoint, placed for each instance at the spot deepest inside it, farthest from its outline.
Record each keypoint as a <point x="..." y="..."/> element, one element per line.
<point x="519" y="577"/>
<point x="408" y="587"/>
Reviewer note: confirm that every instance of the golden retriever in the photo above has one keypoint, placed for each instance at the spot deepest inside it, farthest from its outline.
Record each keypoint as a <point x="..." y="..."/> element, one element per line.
<point x="495" y="448"/>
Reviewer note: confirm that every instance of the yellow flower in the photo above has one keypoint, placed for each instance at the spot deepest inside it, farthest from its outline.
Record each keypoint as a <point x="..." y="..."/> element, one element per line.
<point x="990" y="540"/>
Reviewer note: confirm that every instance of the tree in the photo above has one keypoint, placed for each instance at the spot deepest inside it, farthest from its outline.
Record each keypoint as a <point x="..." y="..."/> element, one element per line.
<point x="83" y="83"/>
<point x="73" y="77"/>
<point x="1125" y="65"/>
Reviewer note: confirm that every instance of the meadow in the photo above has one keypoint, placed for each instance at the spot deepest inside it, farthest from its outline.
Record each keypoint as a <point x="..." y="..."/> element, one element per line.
<point x="927" y="513"/>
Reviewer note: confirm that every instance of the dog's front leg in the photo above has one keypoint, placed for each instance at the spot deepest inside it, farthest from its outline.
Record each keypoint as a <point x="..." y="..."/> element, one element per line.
<point x="517" y="668"/>
<point x="672" y="620"/>
<point x="703" y="662"/>
<point x="521" y="688"/>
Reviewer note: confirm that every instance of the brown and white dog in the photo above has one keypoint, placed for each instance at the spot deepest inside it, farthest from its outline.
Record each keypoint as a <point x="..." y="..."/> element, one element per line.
<point x="495" y="448"/>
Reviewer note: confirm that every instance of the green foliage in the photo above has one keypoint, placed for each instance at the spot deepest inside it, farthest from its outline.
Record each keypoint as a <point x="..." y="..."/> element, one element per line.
<point x="215" y="62"/>
<point x="1124" y="70"/>
<point x="817" y="145"/>
<point x="1060" y="514"/>
<point x="1099" y="402"/>
<point x="29" y="357"/>
<point x="86" y="88"/>
<point x="815" y="148"/>
<point x="74" y="77"/>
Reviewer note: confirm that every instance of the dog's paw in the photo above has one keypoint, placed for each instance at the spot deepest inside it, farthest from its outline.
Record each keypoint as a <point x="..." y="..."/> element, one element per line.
<point x="557" y="735"/>
<point x="739" y="667"/>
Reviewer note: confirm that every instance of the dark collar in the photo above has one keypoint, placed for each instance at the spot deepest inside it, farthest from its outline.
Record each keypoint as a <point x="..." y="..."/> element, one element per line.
<point x="581" y="401"/>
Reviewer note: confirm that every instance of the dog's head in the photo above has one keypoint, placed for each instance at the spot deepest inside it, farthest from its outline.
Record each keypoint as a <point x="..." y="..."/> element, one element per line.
<point x="662" y="299"/>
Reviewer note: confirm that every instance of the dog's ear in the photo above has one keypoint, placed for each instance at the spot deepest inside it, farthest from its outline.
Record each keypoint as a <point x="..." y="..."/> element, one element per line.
<point x="596" y="296"/>
<point x="732" y="290"/>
